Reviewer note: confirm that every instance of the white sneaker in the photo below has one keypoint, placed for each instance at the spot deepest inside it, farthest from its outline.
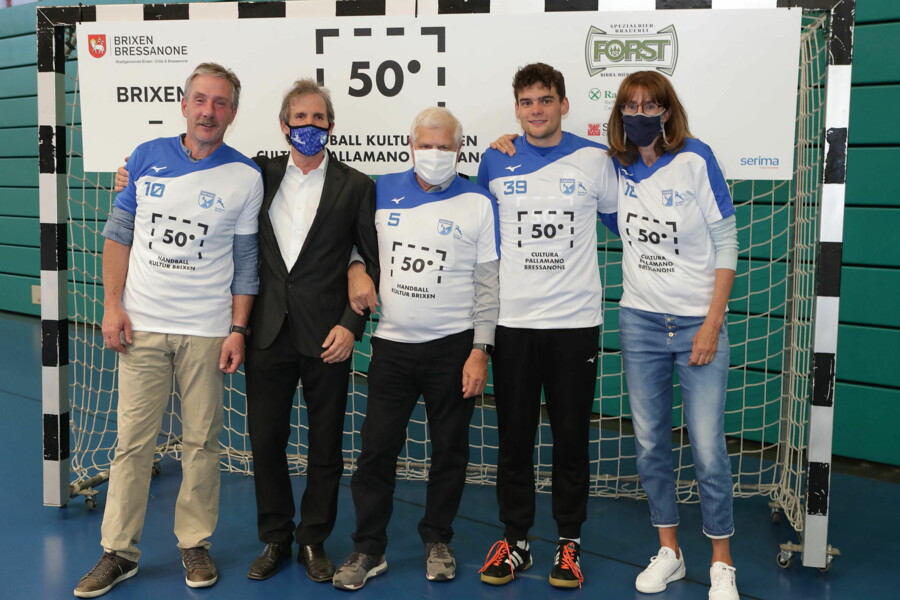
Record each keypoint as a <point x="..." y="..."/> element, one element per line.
<point x="722" y="582"/>
<point x="663" y="568"/>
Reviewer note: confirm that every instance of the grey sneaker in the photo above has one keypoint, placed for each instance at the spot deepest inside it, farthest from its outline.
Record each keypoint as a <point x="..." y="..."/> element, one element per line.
<point x="199" y="570"/>
<point x="358" y="567"/>
<point x="439" y="562"/>
<point x="109" y="570"/>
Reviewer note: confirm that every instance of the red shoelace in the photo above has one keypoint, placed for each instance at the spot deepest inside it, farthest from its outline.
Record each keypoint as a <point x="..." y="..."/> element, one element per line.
<point x="497" y="555"/>
<point x="567" y="561"/>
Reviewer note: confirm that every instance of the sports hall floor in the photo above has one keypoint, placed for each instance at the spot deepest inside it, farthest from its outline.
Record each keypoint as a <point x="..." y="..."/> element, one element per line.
<point x="46" y="550"/>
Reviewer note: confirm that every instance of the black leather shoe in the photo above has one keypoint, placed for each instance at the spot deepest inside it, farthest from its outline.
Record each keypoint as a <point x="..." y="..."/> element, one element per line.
<point x="267" y="563"/>
<point x="318" y="567"/>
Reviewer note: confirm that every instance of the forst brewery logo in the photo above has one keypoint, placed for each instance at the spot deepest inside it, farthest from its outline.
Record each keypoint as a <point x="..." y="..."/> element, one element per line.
<point x="97" y="44"/>
<point x="631" y="46"/>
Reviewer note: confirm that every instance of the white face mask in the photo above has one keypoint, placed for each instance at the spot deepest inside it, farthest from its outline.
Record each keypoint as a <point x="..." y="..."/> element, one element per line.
<point x="435" y="166"/>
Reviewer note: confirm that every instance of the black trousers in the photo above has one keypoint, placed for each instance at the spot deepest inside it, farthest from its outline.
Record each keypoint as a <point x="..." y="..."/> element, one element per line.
<point x="398" y="374"/>
<point x="564" y="363"/>
<point x="272" y="376"/>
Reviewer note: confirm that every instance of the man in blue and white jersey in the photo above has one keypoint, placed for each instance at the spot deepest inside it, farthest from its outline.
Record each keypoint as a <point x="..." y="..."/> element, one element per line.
<point x="179" y="278"/>
<point x="548" y="195"/>
<point x="437" y="243"/>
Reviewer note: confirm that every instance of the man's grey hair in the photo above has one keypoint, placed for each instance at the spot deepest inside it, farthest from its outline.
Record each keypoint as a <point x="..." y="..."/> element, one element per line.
<point x="433" y="118"/>
<point x="302" y="87"/>
<point x="216" y="70"/>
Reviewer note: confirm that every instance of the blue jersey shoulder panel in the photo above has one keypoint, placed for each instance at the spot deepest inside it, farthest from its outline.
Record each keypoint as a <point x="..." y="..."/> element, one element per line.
<point x="572" y="142"/>
<point x="714" y="173"/>
<point x="164" y="158"/>
<point x="399" y="191"/>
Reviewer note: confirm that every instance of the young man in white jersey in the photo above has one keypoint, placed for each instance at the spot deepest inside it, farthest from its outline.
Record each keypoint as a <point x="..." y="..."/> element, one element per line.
<point x="548" y="195"/>
<point x="179" y="278"/>
<point x="437" y="243"/>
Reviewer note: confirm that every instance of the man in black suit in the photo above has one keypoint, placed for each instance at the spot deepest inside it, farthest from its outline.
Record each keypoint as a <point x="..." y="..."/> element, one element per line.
<point x="315" y="210"/>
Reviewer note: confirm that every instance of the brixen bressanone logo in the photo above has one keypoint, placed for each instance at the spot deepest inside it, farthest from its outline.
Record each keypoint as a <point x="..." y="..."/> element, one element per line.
<point x="643" y="50"/>
<point x="97" y="44"/>
<point x="137" y="46"/>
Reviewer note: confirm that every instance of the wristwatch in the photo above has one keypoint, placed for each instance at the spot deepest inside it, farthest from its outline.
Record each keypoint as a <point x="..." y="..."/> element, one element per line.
<point x="239" y="329"/>
<point x="486" y="348"/>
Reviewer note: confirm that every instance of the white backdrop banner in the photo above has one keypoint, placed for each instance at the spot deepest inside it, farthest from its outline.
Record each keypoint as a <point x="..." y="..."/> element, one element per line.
<point x="735" y="70"/>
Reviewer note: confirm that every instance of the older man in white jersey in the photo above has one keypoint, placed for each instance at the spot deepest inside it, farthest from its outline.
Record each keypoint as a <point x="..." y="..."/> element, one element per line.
<point x="437" y="245"/>
<point x="179" y="278"/>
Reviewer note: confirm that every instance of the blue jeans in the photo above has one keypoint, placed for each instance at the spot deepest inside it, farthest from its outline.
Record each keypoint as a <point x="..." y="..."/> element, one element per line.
<point x="653" y="345"/>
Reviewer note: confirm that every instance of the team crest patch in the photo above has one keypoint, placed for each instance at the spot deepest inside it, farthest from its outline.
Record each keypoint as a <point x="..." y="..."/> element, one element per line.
<point x="444" y="226"/>
<point x="567" y="186"/>
<point x="206" y="199"/>
<point x="672" y="198"/>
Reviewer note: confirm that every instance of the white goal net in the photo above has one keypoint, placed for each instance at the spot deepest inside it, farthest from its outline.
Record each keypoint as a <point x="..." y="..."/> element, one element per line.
<point x="770" y="325"/>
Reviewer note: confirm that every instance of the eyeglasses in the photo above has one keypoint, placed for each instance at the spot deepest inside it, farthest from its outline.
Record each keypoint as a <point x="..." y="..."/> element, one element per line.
<point x="651" y="109"/>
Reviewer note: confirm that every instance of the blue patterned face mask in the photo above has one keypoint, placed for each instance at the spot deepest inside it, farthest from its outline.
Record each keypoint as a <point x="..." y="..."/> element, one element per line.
<point x="309" y="140"/>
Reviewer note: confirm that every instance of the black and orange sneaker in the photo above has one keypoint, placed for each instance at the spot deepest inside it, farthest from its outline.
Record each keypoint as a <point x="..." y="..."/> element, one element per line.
<point x="504" y="560"/>
<point x="566" y="571"/>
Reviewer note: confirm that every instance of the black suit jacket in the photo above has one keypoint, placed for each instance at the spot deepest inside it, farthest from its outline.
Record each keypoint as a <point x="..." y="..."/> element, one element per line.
<point x="313" y="294"/>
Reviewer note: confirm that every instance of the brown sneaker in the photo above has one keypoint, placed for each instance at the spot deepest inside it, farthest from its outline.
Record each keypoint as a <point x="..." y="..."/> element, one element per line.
<point x="199" y="570"/>
<point x="440" y="565"/>
<point x="109" y="570"/>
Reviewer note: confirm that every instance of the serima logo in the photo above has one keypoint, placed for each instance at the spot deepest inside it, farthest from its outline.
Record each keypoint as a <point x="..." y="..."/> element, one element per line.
<point x="97" y="44"/>
<point x="628" y="51"/>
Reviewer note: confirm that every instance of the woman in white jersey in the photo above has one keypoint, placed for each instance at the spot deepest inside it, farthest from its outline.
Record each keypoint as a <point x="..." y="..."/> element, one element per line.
<point x="676" y="219"/>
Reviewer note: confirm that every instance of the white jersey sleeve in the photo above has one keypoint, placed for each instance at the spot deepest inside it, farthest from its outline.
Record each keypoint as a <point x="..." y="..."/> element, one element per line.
<point x="605" y="186"/>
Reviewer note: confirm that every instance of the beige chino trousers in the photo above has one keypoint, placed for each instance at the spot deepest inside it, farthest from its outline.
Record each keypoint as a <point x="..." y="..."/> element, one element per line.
<point x="145" y="383"/>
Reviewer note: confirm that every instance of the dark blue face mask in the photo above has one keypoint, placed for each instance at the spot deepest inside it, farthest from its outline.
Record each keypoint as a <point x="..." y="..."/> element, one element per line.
<point x="641" y="129"/>
<point x="309" y="140"/>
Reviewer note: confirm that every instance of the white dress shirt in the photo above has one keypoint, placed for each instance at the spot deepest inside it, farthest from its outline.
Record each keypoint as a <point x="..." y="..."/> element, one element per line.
<point x="294" y="208"/>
